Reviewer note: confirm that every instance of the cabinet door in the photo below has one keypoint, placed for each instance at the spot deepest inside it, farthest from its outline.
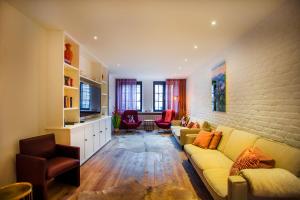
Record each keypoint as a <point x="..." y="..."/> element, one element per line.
<point x="77" y="140"/>
<point x="88" y="141"/>
<point x="108" y="129"/>
<point x="96" y="135"/>
<point x="102" y="132"/>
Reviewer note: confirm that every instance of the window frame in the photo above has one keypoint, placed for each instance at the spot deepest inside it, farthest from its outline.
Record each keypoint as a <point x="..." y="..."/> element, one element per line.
<point x="140" y="83"/>
<point x="163" y="83"/>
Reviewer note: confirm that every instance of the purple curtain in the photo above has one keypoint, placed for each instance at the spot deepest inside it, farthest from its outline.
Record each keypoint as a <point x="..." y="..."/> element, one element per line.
<point x="125" y="94"/>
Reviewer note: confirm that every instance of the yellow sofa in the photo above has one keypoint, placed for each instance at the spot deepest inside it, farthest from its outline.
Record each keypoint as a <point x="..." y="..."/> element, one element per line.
<point x="180" y="132"/>
<point x="213" y="166"/>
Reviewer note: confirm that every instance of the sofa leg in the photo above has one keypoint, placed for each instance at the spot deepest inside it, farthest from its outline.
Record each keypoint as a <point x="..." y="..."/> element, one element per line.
<point x="71" y="177"/>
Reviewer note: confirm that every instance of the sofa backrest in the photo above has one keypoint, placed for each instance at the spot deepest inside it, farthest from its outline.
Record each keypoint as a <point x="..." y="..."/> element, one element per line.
<point x="203" y="124"/>
<point x="285" y="156"/>
<point x="226" y="132"/>
<point x="237" y="142"/>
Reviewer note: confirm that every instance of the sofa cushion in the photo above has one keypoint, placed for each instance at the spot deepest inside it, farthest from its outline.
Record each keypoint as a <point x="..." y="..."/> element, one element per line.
<point x="285" y="156"/>
<point x="251" y="158"/>
<point x="215" y="140"/>
<point x="191" y="149"/>
<point x="226" y="132"/>
<point x="218" y="180"/>
<point x="237" y="142"/>
<point x="272" y="183"/>
<point x="59" y="165"/>
<point x="211" y="160"/>
<point x="203" y="139"/>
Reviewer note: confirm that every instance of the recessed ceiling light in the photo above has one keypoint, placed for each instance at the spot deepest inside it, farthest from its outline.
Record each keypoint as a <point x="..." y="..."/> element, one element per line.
<point x="195" y="47"/>
<point x="95" y="37"/>
<point x="180" y="68"/>
<point x="185" y="60"/>
<point x="213" y="23"/>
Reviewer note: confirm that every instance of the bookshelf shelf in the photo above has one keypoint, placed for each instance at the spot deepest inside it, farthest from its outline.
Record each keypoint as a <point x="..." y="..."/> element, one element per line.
<point x="67" y="66"/>
<point x="89" y="79"/>
<point x="73" y="108"/>
<point x="70" y="87"/>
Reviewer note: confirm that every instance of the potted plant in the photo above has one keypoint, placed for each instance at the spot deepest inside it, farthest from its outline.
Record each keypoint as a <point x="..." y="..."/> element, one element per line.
<point x="116" y="120"/>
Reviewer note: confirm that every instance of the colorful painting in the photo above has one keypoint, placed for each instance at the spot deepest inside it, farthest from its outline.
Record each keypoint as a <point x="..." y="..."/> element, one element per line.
<point x="219" y="88"/>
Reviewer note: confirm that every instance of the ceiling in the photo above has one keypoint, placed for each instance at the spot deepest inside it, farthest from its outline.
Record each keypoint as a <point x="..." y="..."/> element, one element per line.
<point x="150" y="39"/>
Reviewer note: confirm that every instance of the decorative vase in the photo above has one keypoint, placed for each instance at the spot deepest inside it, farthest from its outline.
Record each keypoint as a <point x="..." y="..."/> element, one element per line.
<point x="68" y="53"/>
<point x="116" y="130"/>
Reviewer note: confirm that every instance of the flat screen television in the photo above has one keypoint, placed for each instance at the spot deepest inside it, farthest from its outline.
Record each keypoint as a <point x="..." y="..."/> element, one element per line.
<point x="90" y="99"/>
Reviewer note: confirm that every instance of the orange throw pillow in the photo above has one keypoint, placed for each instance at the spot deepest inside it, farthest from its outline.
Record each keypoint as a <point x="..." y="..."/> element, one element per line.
<point x="215" y="140"/>
<point x="190" y="124"/>
<point x="196" y="125"/>
<point x="251" y="158"/>
<point x="203" y="139"/>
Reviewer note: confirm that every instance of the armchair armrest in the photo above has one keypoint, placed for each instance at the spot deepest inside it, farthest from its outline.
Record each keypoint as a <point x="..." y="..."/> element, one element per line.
<point x="184" y="132"/>
<point x="68" y="151"/>
<point x="175" y="122"/>
<point x="31" y="168"/>
<point x="189" y="138"/>
<point x="237" y="188"/>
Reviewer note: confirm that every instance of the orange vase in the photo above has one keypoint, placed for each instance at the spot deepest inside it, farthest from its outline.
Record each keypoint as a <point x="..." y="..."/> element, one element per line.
<point x="68" y="53"/>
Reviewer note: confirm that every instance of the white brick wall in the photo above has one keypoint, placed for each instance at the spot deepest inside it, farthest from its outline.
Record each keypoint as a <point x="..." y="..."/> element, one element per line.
<point x="263" y="79"/>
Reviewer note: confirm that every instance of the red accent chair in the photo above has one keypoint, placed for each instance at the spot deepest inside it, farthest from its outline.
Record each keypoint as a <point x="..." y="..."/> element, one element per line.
<point x="162" y="123"/>
<point x="41" y="160"/>
<point x="126" y="124"/>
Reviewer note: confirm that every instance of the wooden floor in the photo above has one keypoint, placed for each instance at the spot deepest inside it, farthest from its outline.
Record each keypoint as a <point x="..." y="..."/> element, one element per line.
<point x="149" y="157"/>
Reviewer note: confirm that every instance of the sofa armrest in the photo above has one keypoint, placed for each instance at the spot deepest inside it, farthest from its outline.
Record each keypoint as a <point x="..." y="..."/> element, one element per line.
<point x="31" y="169"/>
<point x="68" y="151"/>
<point x="237" y="188"/>
<point x="175" y="122"/>
<point x="184" y="132"/>
<point x="189" y="138"/>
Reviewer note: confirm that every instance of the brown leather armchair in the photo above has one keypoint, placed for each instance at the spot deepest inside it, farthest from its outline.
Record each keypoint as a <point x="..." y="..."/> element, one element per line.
<point x="41" y="160"/>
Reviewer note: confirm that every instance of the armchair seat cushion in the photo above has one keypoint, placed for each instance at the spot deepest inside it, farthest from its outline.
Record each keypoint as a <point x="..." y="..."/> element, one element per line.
<point x="272" y="183"/>
<point x="218" y="180"/>
<point x="59" y="165"/>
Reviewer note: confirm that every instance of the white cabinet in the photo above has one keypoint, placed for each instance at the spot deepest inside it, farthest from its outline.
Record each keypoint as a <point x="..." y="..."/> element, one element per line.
<point x="96" y="136"/>
<point x="108" y="129"/>
<point x="102" y="133"/>
<point x="77" y="139"/>
<point x="89" y="136"/>
<point x="88" y="141"/>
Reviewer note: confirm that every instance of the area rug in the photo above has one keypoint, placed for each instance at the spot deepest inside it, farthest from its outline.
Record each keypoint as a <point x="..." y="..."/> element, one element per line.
<point x="133" y="190"/>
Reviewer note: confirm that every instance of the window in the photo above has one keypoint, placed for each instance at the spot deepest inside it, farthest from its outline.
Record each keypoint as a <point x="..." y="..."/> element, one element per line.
<point x="139" y="95"/>
<point x="85" y="102"/>
<point x="159" y="93"/>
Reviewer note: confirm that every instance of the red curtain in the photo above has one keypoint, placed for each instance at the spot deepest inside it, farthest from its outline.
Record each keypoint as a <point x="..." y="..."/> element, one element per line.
<point x="125" y="94"/>
<point x="176" y="96"/>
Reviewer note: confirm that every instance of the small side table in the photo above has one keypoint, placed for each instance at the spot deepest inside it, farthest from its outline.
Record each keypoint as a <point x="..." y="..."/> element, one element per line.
<point x="148" y="124"/>
<point x="16" y="191"/>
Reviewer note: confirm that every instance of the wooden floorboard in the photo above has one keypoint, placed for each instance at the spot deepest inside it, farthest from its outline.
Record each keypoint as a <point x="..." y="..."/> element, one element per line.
<point x="151" y="158"/>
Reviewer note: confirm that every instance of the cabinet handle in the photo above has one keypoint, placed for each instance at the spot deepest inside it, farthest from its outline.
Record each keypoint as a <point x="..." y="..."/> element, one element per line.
<point x="94" y="135"/>
<point x="85" y="139"/>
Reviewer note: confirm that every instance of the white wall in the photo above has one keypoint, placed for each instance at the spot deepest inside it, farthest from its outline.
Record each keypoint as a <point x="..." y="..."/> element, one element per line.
<point x="22" y="64"/>
<point x="263" y="84"/>
<point x="147" y="89"/>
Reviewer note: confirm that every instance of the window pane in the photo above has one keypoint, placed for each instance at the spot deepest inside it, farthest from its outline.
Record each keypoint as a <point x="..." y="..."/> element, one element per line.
<point x="138" y="97"/>
<point x="156" y="88"/>
<point x="160" y="89"/>
<point x="156" y="105"/>
<point x="160" y="97"/>
<point x="160" y="105"/>
<point x="138" y="106"/>
<point x="156" y="97"/>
